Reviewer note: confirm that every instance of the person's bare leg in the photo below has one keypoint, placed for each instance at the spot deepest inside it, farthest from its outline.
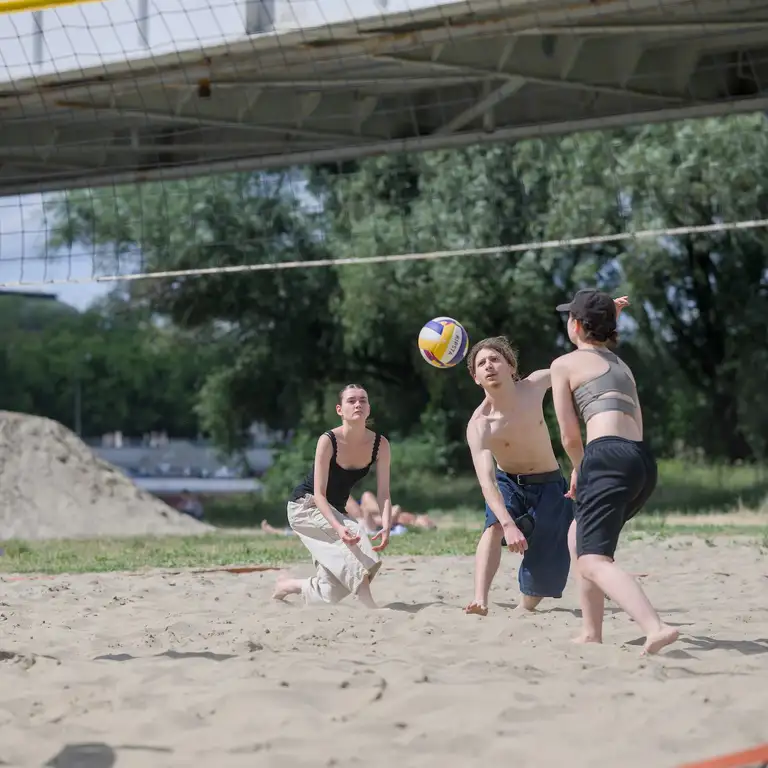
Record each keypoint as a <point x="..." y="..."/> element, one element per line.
<point x="370" y="511"/>
<point x="528" y="604"/>
<point x="487" y="560"/>
<point x="352" y="508"/>
<point x="591" y="599"/>
<point x="365" y="596"/>
<point x="287" y="585"/>
<point x="628" y="595"/>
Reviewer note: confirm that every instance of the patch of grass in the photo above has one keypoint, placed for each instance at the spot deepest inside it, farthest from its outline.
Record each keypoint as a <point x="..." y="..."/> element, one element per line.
<point x="691" y="488"/>
<point x="131" y="554"/>
<point x="219" y="549"/>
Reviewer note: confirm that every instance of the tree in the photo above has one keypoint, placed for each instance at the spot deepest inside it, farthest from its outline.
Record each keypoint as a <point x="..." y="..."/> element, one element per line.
<point x="125" y="373"/>
<point x="274" y="331"/>
<point x="280" y="343"/>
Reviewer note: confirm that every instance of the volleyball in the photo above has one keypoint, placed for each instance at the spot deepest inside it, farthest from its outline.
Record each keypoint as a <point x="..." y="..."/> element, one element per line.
<point x="443" y="342"/>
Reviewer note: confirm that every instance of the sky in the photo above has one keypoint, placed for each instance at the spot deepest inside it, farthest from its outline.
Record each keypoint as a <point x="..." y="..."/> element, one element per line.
<point x="94" y="33"/>
<point x="23" y="257"/>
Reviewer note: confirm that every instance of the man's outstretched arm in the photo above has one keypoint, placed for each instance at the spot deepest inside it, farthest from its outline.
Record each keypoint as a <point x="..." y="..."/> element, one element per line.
<point x="541" y="378"/>
<point x="485" y="470"/>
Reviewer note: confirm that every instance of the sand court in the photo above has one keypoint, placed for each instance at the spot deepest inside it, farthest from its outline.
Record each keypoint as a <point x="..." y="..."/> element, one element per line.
<point x="179" y="669"/>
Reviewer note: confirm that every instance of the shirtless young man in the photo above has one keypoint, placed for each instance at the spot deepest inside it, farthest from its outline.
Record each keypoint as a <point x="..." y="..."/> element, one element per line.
<point x="519" y="476"/>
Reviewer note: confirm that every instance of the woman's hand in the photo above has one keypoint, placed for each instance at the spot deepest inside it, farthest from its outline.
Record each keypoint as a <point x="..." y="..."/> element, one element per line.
<point x="571" y="494"/>
<point x="621" y="302"/>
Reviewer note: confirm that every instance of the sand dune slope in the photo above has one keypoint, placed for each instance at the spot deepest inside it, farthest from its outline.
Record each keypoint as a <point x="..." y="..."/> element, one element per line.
<point x="54" y="487"/>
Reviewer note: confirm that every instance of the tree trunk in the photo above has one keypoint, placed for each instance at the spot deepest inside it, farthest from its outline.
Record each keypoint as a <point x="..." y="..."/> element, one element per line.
<point x="725" y="438"/>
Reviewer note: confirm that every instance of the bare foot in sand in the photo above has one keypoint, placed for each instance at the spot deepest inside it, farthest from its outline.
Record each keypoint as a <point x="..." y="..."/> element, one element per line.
<point x="476" y="609"/>
<point x="528" y="604"/>
<point x="285" y="586"/>
<point x="584" y="639"/>
<point x="658" y="640"/>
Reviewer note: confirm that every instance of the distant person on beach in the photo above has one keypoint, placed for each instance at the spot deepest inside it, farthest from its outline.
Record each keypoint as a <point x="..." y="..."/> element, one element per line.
<point x="190" y="505"/>
<point x="345" y="559"/>
<point x="614" y="475"/>
<point x="368" y="511"/>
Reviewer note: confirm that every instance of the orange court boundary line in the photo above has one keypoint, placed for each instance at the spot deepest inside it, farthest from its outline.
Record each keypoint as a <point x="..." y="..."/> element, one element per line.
<point x="757" y="757"/>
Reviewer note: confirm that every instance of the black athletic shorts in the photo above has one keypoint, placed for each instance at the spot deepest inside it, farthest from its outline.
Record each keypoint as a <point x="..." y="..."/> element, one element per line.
<point x="616" y="478"/>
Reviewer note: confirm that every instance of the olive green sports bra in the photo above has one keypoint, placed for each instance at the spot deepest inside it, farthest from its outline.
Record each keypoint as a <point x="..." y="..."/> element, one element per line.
<point x="588" y="397"/>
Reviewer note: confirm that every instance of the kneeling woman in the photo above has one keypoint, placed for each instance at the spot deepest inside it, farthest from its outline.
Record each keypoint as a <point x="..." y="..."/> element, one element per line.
<point x="345" y="559"/>
<point x="614" y="476"/>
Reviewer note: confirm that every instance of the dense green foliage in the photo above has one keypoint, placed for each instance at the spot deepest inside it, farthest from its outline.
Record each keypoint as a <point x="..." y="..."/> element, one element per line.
<point x="275" y="346"/>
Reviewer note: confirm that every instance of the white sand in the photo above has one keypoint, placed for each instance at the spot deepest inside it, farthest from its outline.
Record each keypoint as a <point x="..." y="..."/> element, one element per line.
<point x="53" y="486"/>
<point x="417" y="684"/>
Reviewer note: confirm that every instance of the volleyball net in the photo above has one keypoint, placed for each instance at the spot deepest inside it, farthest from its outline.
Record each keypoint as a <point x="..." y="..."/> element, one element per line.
<point x="170" y="139"/>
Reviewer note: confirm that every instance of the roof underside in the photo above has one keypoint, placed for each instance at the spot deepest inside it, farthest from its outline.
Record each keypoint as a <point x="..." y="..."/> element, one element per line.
<point x="443" y="77"/>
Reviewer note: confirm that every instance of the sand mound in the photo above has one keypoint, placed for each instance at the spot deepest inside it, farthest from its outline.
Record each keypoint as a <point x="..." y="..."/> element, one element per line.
<point x="53" y="486"/>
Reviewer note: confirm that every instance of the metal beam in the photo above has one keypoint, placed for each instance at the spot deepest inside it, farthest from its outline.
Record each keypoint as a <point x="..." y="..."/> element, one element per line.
<point x="536" y="79"/>
<point x="363" y="109"/>
<point x="354" y="151"/>
<point x="568" y="49"/>
<point x="628" y="56"/>
<point x="685" y="62"/>
<point x="671" y="28"/>
<point x="504" y="91"/>
<point x="397" y="42"/>
<point x="344" y="84"/>
<point x="151" y="116"/>
<point x="44" y="151"/>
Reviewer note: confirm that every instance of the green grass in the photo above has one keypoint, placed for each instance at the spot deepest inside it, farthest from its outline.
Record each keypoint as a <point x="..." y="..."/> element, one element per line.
<point x="219" y="549"/>
<point x="689" y="488"/>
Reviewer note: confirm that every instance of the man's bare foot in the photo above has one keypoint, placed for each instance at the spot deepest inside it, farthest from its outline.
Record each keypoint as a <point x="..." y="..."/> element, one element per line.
<point x="285" y="586"/>
<point x="524" y="610"/>
<point x="584" y="639"/>
<point x="528" y="604"/>
<point x="658" y="640"/>
<point x="476" y="609"/>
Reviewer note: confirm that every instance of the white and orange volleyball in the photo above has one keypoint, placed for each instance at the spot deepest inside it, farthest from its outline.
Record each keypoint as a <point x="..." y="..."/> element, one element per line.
<point x="443" y="342"/>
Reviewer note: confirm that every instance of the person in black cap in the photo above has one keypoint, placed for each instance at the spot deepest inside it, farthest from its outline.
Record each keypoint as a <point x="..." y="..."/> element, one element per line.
<point x="614" y="475"/>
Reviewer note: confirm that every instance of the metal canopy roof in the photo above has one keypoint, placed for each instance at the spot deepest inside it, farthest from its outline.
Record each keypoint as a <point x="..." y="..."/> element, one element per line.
<point x="445" y="76"/>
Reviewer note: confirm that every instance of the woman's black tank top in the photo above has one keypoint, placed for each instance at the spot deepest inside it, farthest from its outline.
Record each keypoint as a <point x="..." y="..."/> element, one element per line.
<point x="340" y="481"/>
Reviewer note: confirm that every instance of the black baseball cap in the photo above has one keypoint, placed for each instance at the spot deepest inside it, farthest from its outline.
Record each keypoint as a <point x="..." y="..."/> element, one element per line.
<point x="592" y="305"/>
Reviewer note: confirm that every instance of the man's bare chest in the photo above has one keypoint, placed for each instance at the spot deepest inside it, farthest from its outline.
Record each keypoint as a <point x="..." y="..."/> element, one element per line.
<point x="510" y="429"/>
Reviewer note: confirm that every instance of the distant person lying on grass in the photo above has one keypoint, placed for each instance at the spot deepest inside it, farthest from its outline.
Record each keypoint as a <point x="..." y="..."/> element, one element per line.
<point x="367" y="512"/>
